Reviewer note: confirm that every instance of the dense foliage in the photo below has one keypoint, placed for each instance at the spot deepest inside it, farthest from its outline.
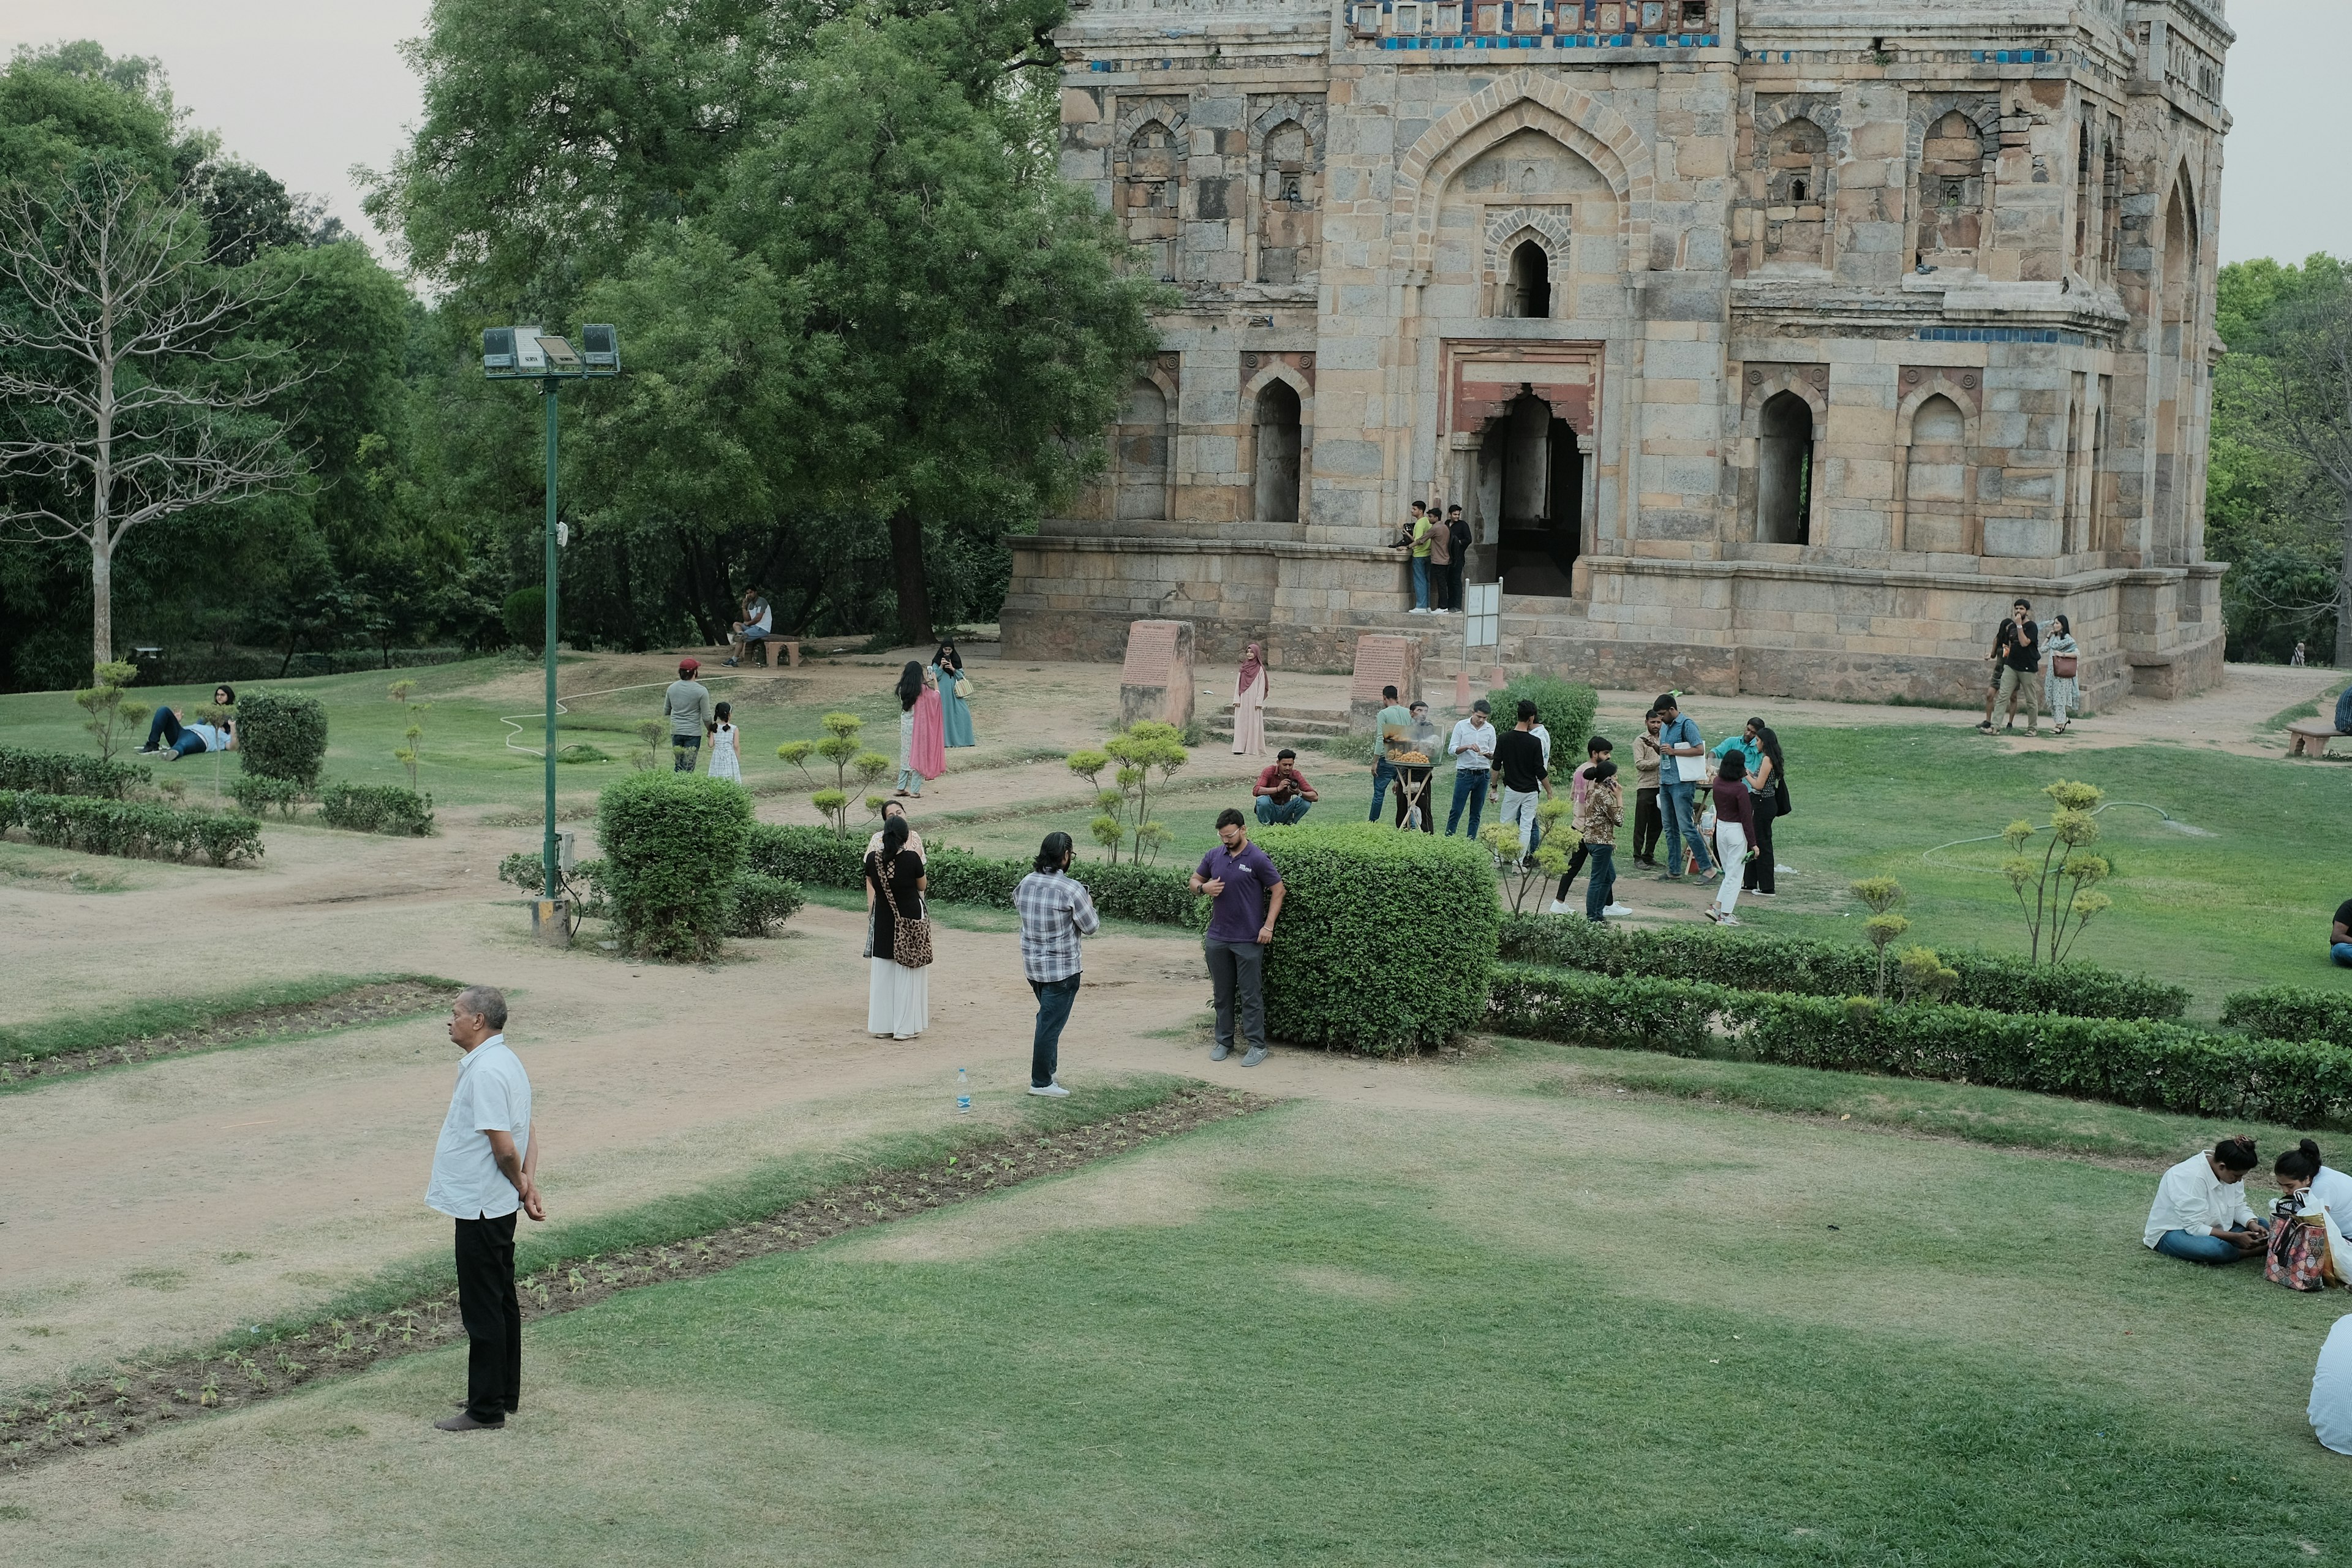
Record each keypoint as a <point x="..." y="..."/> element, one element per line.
<point x="1752" y="961"/>
<point x="673" y="844"/>
<point x="375" y="808"/>
<point x="66" y="773"/>
<point x="1385" y="937"/>
<point x="2290" y="1012"/>
<point x="757" y="903"/>
<point x="2129" y="1062"/>
<point x="1156" y="894"/>
<point x="1565" y="709"/>
<point x="282" y="735"/>
<point x="257" y="794"/>
<point x="97" y="825"/>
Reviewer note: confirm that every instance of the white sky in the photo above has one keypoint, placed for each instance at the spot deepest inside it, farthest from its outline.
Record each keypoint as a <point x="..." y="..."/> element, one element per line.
<point x="308" y="87"/>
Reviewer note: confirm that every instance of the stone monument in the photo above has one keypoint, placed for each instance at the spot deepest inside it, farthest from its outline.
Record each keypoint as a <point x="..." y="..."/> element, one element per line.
<point x="1155" y="680"/>
<point x="1381" y="661"/>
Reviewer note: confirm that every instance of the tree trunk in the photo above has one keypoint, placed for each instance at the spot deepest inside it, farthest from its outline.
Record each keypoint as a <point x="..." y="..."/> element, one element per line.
<point x="101" y="602"/>
<point x="2344" y="595"/>
<point x="914" y="593"/>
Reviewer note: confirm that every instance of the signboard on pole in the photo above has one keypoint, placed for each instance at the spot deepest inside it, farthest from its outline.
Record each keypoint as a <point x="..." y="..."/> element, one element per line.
<point x="1483" y="618"/>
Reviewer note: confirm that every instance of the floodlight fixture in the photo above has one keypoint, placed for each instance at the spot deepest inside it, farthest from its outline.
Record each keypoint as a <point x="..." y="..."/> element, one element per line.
<point x="600" y="347"/>
<point x="559" y="353"/>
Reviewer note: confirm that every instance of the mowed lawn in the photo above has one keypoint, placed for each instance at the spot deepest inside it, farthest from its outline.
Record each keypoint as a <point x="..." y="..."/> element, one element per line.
<point x="1462" y="1323"/>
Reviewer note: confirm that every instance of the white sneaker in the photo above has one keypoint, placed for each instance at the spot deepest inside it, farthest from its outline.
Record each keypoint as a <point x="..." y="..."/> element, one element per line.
<point x="1713" y="913"/>
<point x="1050" y="1091"/>
<point x="1730" y="920"/>
<point x="1559" y="906"/>
<point x="1617" y="909"/>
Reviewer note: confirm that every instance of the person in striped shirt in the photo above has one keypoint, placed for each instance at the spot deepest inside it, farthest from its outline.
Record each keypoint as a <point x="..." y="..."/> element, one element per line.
<point x="1055" y="912"/>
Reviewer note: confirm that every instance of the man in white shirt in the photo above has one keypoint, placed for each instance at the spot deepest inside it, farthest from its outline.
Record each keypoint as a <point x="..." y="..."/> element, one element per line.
<point x="482" y="1174"/>
<point x="1473" y="747"/>
<point x="2200" y="1213"/>
<point x="2331" y="1390"/>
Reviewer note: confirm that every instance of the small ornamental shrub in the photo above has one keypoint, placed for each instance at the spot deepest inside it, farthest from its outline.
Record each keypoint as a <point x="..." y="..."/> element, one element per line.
<point x="1564" y="709"/>
<point x="132" y="829"/>
<point x="376" y="808"/>
<point x="258" y="795"/>
<point x="2127" y="1061"/>
<point x="68" y="772"/>
<point x="282" y="735"/>
<point x="2290" y="1012"/>
<point x="527" y="872"/>
<point x="113" y="718"/>
<point x="673" y="845"/>
<point x="524" y="615"/>
<point x="1752" y="961"/>
<point x="756" y="902"/>
<point x="1385" y="937"/>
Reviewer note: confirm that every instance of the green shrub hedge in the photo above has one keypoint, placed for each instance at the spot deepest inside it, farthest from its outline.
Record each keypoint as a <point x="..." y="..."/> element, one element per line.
<point x="755" y="903"/>
<point x="282" y="735"/>
<point x="100" y="826"/>
<point x="1385" y="937"/>
<point x="2290" y="1012"/>
<point x="66" y="773"/>
<point x="812" y="855"/>
<point x="673" y="845"/>
<point x="257" y="795"/>
<point x="1565" y="708"/>
<point x="1754" y="961"/>
<point x="375" y="808"/>
<point x="2129" y="1062"/>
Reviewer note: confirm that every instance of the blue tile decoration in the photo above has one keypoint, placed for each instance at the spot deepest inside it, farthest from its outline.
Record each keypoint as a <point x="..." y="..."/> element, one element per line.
<point x="1999" y="335"/>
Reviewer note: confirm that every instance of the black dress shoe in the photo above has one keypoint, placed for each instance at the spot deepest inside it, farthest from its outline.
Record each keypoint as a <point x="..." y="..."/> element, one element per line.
<point x="462" y="1421"/>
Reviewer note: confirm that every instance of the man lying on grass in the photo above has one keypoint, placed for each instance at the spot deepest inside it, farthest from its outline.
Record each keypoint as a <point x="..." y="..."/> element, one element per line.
<point x="2201" y="1212"/>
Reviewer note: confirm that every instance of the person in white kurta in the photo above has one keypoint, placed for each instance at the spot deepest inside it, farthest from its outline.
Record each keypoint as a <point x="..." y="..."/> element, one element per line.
<point x="2331" y="1390"/>
<point x="725" y="747"/>
<point x="1249" y="706"/>
<point x="2200" y="1213"/>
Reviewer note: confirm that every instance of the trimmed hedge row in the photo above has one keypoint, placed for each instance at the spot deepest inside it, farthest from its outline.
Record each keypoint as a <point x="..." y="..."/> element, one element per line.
<point x="257" y="795"/>
<point x="375" y="808"/>
<point x="755" y="903"/>
<point x="31" y="772"/>
<point x="100" y="826"/>
<point x="1385" y="937"/>
<point x="812" y="855"/>
<point x="2129" y="1062"/>
<point x="1809" y="966"/>
<point x="2290" y="1012"/>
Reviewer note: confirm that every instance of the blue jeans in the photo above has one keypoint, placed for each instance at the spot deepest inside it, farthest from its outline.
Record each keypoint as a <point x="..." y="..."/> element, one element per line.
<point x="164" y="728"/>
<point x="1602" y="881"/>
<point x="1682" y="825"/>
<point x="1421" y="582"/>
<point x="1383" y="775"/>
<point x="1053" y="1000"/>
<point x="2200" y="1249"/>
<point x="2342" y="953"/>
<point x="683" y="751"/>
<point x="1289" y="810"/>
<point x="1470" y="785"/>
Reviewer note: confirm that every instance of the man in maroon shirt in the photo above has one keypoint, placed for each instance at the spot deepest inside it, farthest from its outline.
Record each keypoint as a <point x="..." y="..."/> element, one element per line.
<point x="1283" y="793"/>
<point x="1248" y="891"/>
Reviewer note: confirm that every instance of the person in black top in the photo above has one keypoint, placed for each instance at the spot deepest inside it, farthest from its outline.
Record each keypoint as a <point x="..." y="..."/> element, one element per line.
<point x="2017" y="659"/>
<point x="1457" y="532"/>
<point x="1519" y="765"/>
<point x="2339" y="937"/>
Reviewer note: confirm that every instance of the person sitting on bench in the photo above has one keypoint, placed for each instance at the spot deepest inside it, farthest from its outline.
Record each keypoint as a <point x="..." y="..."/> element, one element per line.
<point x="752" y="631"/>
<point x="167" y="735"/>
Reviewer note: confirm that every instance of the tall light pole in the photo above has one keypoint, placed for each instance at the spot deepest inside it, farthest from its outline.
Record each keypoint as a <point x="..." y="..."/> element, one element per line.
<point x="524" y="353"/>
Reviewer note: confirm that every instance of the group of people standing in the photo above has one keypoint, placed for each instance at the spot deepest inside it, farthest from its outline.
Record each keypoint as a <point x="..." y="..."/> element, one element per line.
<point x="1440" y="549"/>
<point x="934" y="717"/>
<point x="2019" y="648"/>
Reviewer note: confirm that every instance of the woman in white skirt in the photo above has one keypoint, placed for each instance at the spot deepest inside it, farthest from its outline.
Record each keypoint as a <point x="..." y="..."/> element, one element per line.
<point x="898" y="997"/>
<point x="1735" y="832"/>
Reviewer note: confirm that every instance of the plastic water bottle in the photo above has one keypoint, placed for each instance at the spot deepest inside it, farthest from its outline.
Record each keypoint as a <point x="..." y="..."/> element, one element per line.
<point x="963" y="1092"/>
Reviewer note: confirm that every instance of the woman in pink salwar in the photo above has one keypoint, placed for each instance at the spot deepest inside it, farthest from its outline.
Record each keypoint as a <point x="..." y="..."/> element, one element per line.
<point x="1249" y="706"/>
<point x="930" y="755"/>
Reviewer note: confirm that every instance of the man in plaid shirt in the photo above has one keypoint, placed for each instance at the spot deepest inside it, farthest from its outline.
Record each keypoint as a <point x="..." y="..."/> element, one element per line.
<point x="1055" y="913"/>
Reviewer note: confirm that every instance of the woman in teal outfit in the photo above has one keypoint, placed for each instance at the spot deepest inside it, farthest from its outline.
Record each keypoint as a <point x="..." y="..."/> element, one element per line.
<point x="955" y="713"/>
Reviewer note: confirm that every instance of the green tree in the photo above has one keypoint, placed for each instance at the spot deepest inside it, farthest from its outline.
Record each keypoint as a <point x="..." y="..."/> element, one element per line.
<point x="2064" y="881"/>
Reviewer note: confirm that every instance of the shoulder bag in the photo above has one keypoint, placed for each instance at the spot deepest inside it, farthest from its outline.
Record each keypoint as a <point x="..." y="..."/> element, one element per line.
<point x="2063" y="665"/>
<point x="2298" y="1252"/>
<point x="911" y="940"/>
<point x="962" y="687"/>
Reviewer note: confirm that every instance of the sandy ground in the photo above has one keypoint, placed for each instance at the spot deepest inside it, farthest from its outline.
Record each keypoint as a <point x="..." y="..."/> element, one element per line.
<point x="159" y="1205"/>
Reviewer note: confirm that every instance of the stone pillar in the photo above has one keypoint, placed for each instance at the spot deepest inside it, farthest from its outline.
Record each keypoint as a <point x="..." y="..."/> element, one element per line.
<point x="1156" y="681"/>
<point x="1381" y="661"/>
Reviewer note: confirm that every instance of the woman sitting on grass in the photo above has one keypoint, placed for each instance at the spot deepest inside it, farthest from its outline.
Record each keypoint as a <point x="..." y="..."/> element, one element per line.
<point x="2321" y="1194"/>
<point x="169" y="739"/>
<point x="2200" y="1213"/>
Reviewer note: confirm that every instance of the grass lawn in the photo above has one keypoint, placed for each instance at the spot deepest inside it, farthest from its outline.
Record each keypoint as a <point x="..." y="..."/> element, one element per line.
<point x="1485" y="1328"/>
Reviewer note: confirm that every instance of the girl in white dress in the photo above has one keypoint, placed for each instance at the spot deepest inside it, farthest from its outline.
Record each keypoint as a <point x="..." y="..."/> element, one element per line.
<point x="725" y="752"/>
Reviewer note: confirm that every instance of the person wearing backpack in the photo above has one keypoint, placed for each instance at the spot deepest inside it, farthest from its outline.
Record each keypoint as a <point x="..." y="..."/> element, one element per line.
<point x="2200" y="1214"/>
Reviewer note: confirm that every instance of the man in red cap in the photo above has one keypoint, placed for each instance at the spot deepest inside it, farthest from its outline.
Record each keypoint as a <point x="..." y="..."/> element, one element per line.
<point x="686" y="705"/>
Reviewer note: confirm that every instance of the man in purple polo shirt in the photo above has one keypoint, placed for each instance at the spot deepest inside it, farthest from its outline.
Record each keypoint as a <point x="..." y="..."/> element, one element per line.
<point x="1248" y="893"/>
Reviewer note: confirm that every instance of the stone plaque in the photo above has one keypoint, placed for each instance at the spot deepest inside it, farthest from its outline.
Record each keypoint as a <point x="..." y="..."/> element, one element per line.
<point x="1156" y="679"/>
<point x="1381" y="661"/>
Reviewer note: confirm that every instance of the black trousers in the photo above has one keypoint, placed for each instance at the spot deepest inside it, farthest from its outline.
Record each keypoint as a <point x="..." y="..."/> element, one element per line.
<point x="492" y="1314"/>
<point x="1648" y="824"/>
<point x="1758" y="878"/>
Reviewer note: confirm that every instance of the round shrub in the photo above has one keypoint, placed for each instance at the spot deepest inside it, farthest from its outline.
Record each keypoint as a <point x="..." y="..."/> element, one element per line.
<point x="1385" y="939"/>
<point x="282" y="735"/>
<point x="1563" y="707"/>
<point x="376" y="808"/>
<point x="525" y="617"/>
<point x="758" y="902"/>
<point x="673" y="844"/>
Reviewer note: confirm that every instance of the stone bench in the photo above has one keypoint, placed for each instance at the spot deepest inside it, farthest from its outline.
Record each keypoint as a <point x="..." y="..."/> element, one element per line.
<point x="772" y="641"/>
<point x="2309" y="737"/>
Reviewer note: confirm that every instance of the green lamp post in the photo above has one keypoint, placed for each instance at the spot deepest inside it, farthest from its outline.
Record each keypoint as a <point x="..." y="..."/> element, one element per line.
<point x="525" y="353"/>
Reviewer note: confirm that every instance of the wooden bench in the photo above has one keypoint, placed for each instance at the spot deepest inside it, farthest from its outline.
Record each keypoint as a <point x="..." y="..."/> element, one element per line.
<point x="791" y="645"/>
<point x="2309" y="737"/>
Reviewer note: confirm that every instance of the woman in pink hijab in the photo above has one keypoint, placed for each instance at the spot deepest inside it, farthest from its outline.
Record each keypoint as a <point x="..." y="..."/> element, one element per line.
<point x="1249" y="706"/>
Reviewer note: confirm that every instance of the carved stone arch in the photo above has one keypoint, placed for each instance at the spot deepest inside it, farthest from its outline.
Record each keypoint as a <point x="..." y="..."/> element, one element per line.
<point x="1134" y="115"/>
<point x="1549" y="227"/>
<point x="1305" y="108"/>
<point x="1277" y="369"/>
<point x="1521" y="100"/>
<point x="1767" y="382"/>
<point x="1981" y="111"/>
<point x="1774" y="111"/>
<point x="1282" y="217"/>
<point x="1910" y="524"/>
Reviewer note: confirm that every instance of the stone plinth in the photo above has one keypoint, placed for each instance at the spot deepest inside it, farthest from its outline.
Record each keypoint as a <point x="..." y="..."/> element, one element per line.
<point x="1381" y="661"/>
<point x="1155" y="681"/>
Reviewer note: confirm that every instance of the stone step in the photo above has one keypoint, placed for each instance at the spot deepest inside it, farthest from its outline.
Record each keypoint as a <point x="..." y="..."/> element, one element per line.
<point x="1292" y="728"/>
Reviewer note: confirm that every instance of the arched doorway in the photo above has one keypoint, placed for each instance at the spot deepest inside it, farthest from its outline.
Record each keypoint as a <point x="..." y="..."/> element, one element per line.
<point x="1277" y="453"/>
<point x="1784" y="471"/>
<point x="1531" y="480"/>
<point x="1531" y="286"/>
